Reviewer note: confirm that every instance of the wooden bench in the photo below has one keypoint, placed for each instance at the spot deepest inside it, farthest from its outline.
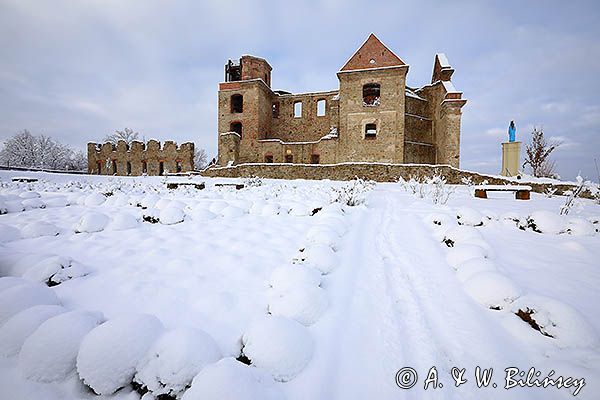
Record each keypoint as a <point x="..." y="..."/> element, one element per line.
<point x="522" y="192"/>
<point x="175" y="185"/>
<point x="24" y="179"/>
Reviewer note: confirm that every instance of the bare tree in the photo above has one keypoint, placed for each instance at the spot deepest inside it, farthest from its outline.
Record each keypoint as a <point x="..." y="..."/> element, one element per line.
<point x="128" y="135"/>
<point x="200" y="159"/>
<point x="537" y="155"/>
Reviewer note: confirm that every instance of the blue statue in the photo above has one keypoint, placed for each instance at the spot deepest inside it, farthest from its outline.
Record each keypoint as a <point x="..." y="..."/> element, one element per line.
<point x="512" y="132"/>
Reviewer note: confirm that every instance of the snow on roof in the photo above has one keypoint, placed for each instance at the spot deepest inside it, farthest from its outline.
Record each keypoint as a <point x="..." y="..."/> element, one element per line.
<point x="412" y="94"/>
<point x="443" y="60"/>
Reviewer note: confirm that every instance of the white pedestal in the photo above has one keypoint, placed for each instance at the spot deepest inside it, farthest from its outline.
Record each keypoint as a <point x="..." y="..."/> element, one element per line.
<point x="511" y="158"/>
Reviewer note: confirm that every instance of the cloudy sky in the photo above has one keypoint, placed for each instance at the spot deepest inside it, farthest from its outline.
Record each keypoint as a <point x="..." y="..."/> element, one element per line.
<point x="77" y="70"/>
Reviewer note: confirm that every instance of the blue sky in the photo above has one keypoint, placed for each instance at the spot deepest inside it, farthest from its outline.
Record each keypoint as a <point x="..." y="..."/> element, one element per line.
<point x="78" y="70"/>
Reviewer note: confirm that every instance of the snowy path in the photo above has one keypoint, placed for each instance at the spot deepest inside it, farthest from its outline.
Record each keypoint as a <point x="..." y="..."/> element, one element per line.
<point x="406" y="308"/>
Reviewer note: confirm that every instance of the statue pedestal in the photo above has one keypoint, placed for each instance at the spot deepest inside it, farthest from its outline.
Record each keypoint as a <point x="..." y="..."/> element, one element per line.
<point x="511" y="157"/>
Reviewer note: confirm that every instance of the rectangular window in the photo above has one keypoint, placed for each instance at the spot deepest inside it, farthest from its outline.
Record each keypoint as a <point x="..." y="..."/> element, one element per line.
<point x="114" y="167"/>
<point x="161" y="168"/>
<point x="128" y="168"/>
<point x="275" y="110"/>
<point x="268" y="159"/>
<point x="178" y="166"/>
<point x="298" y="109"/>
<point x="370" y="131"/>
<point x="144" y="167"/>
<point x="314" y="159"/>
<point x="321" y="105"/>
<point x="289" y="158"/>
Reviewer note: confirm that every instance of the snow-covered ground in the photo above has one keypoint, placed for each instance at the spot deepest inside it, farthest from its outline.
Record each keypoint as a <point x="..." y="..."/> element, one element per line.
<point x="119" y="286"/>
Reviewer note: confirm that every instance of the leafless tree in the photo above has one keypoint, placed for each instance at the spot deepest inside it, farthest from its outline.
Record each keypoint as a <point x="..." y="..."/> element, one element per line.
<point x="127" y="134"/>
<point x="200" y="159"/>
<point x="537" y="155"/>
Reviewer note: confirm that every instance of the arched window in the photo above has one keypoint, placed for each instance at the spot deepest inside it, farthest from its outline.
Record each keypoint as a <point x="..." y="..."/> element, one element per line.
<point x="268" y="158"/>
<point x="237" y="103"/>
<point x="236" y="127"/>
<point x="321" y="105"/>
<point x="144" y="167"/>
<point x="114" y="167"/>
<point x="178" y="166"/>
<point x="128" y="168"/>
<point x="371" y="93"/>
<point x="99" y="165"/>
<point x="161" y="168"/>
<point x="298" y="109"/>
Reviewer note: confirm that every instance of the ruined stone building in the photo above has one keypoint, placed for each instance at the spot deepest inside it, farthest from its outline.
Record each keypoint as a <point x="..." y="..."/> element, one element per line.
<point x="373" y="116"/>
<point x="137" y="159"/>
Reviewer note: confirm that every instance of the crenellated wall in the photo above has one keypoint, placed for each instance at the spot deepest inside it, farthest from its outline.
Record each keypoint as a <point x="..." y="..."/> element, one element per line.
<point x="151" y="158"/>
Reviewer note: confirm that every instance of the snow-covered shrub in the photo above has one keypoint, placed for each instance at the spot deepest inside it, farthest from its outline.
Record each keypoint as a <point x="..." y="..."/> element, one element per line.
<point x="171" y="215"/>
<point x="49" y="354"/>
<point x="300" y="209"/>
<point x="109" y="353"/>
<point x="439" y="190"/>
<point x="21" y="297"/>
<point x="319" y="256"/>
<point x="492" y="289"/>
<point x="123" y="221"/>
<point x="557" y="320"/>
<point x="201" y="214"/>
<point x="232" y="212"/>
<point x="461" y="234"/>
<point x="174" y="360"/>
<point x="580" y="227"/>
<point x="217" y="206"/>
<point x="466" y="269"/>
<point x="546" y="222"/>
<point x="281" y="346"/>
<point x="469" y="216"/>
<point x="91" y="222"/>
<point x="549" y="192"/>
<point x="573" y="195"/>
<point x="21" y="325"/>
<point x="270" y="209"/>
<point x="94" y="199"/>
<point x="7" y="282"/>
<point x="30" y="204"/>
<point x="461" y="252"/>
<point x="9" y="233"/>
<point x="251" y="182"/>
<point x="55" y="270"/>
<point x="30" y="195"/>
<point x="303" y="303"/>
<point x="230" y="379"/>
<point x="39" y="228"/>
<point x="322" y="234"/>
<point x="439" y="219"/>
<point x="512" y="218"/>
<point x="151" y="215"/>
<point x="353" y="193"/>
<point x="57" y="201"/>
<point x="289" y="276"/>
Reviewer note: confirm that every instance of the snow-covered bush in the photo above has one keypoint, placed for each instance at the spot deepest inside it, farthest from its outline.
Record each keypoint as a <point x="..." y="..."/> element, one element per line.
<point x="110" y="353"/>
<point x="55" y="270"/>
<point x="546" y="222"/>
<point x="174" y="360"/>
<point x="353" y="193"/>
<point x="320" y="256"/>
<point x="123" y="221"/>
<point x="492" y="289"/>
<point x="573" y="195"/>
<point x="9" y="233"/>
<point x="469" y="216"/>
<point x="281" y="346"/>
<point x="467" y="269"/>
<point x="462" y="252"/>
<point x="171" y="215"/>
<point x="289" y="276"/>
<point x="549" y="192"/>
<point x="580" y="227"/>
<point x="439" y="190"/>
<point x="94" y="199"/>
<point x="303" y="303"/>
<point x="21" y="297"/>
<point x="21" y="325"/>
<point x="29" y="195"/>
<point x="230" y="379"/>
<point x="91" y="222"/>
<point x="201" y="214"/>
<point x="30" y="204"/>
<point x="49" y="354"/>
<point x="270" y="209"/>
<point x="439" y="219"/>
<point x="251" y="182"/>
<point x="322" y="234"/>
<point x="461" y="234"/>
<point x="232" y="212"/>
<point x="39" y="228"/>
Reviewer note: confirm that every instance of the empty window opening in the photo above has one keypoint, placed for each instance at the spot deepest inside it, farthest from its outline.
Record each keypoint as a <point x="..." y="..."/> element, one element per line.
<point x="298" y="109"/>
<point x="233" y="71"/>
<point x="321" y="104"/>
<point x="371" y="93"/>
<point x="128" y="168"/>
<point x="236" y="127"/>
<point x="161" y="168"/>
<point x="268" y="158"/>
<point x="289" y="158"/>
<point x="237" y="103"/>
<point x="275" y="110"/>
<point x="144" y="167"/>
<point x="178" y="166"/>
<point x="114" y="167"/>
<point x="370" y="131"/>
<point x="99" y="165"/>
<point x="314" y="158"/>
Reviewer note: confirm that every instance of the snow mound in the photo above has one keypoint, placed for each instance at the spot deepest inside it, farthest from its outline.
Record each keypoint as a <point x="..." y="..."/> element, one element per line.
<point x="217" y="206"/>
<point x="281" y="346"/>
<point x="174" y="359"/>
<point x="287" y="277"/>
<point x="270" y="209"/>
<point x="546" y="222"/>
<point x="202" y="214"/>
<point x="461" y="233"/>
<point x="55" y="270"/>
<point x="7" y="282"/>
<point x="109" y="353"/>
<point x="581" y="227"/>
<point x="149" y="201"/>
<point x="58" y="201"/>
<point x="171" y="216"/>
<point x="21" y="297"/>
<point x="123" y="221"/>
<point x="232" y="212"/>
<point x="471" y="267"/>
<point x="558" y="320"/>
<point x="91" y="222"/>
<point x="464" y="252"/>
<point x="492" y="289"/>
<point x="9" y="233"/>
<point x="230" y="379"/>
<point x="300" y="210"/>
<point x="439" y="219"/>
<point x="94" y="199"/>
<point x="468" y="216"/>
<point x="39" y="228"/>
<point x="49" y="354"/>
<point x="31" y="204"/>
<point x="319" y="256"/>
<point x="30" y="195"/>
<point x="322" y="234"/>
<point x="21" y="325"/>
<point x="303" y="303"/>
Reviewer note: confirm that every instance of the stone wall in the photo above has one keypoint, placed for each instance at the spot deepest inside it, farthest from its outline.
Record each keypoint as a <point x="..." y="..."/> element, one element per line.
<point x="124" y="160"/>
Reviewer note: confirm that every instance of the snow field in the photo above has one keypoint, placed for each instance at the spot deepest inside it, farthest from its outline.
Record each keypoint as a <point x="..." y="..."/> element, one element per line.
<point x="20" y="297"/>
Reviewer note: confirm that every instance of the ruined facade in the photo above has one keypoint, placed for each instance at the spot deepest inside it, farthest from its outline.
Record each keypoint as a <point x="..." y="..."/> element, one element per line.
<point x="138" y="159"/>
<point x="372" y="117"/>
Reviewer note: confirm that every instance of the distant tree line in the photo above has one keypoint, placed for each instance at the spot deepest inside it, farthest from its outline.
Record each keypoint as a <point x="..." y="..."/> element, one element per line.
<point x="40" y="151"/>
